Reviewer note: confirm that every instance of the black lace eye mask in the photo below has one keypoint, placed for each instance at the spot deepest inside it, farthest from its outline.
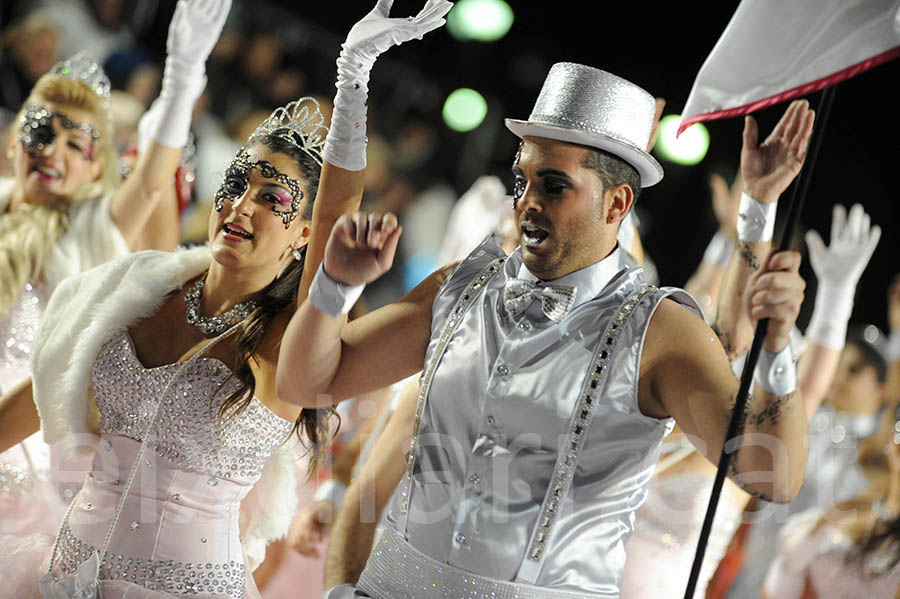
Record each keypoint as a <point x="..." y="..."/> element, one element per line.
<point x="519" y="182"/>
<point x="38" y="132"/>
<point x="237" y="177"/>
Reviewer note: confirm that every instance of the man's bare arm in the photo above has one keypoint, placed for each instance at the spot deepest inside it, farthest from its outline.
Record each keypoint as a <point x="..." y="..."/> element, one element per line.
<point x="324" y="358"/>
<point x="354" y="528"/>
<point x="767" y="170"/>
<point x="686" y="374"/>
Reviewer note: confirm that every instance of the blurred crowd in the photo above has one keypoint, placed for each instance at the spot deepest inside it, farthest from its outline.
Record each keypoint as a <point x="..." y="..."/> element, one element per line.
<point x="265" y="57"/>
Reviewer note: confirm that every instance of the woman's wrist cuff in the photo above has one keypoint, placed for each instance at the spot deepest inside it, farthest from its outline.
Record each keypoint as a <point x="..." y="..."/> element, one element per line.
<point x="719" y="250"/>
<point x="828" y="325"/>
<point x="331" y="297"/>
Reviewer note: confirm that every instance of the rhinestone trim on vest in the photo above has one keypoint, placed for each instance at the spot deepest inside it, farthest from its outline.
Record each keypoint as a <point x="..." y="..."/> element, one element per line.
<point x="567" y="460"/>
<point x="462" y="305"/>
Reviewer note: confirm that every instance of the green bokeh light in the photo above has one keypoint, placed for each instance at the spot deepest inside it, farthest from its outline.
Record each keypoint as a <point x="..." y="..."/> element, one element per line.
<point x="464" y="109"/>
<point x="480" y="20"/>
<point x="690" y="147"/>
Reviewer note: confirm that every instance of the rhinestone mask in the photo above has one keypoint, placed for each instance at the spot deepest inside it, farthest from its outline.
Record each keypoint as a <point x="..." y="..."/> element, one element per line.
<point x="237" y="178"/>
<point x="519" y="183"/>
<point x="38" y="131"/>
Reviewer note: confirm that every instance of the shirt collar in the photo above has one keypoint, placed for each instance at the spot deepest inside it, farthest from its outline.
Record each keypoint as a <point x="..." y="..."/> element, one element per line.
<point x="588" y="281"/>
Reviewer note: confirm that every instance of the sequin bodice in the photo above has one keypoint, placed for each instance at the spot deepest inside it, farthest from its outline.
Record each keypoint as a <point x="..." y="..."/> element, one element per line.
<point x="188" y="432"/>
<point x="178" y="530"/>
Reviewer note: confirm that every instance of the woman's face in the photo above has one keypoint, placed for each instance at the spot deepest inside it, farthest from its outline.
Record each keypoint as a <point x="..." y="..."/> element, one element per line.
<point x="263" y="191"/>
<point x="54" y="150"/>
<point x="856" y="387"/>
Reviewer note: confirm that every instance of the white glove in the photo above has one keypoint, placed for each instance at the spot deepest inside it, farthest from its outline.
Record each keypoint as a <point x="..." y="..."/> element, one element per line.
<point x="193" y="31"/>
<point x="838" y="268"/>
<point x="345" y="145"/>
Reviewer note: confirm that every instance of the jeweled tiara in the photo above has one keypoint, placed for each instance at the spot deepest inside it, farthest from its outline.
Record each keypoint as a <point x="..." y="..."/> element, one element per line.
<point x="82" y="67"/>
<point x="299" y="123"/>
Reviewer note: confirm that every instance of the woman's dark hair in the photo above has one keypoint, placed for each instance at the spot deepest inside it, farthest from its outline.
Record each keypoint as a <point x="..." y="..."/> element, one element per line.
<point x="272" y="300"/>
<point x="882" y="544"/>
<point x="865" y="338"/>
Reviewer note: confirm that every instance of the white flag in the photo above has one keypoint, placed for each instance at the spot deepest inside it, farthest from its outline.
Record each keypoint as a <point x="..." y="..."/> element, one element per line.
<point x="776" y="50"/>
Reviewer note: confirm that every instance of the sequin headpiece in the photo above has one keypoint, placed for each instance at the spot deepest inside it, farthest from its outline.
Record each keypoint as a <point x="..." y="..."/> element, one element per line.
<point x="82" y="67"/>
<point x="587" y="106"/>
<point x="300" y="123"/>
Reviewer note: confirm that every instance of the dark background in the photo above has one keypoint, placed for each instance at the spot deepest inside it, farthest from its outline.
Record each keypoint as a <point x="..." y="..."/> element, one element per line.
<point x="659" y="46"/>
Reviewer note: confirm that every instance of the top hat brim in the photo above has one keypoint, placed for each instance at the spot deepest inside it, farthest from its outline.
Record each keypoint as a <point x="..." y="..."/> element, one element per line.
<point x="647" y="167"/>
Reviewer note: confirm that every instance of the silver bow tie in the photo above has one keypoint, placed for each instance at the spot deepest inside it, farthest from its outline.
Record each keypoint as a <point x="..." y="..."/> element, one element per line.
<point x="555" y="299"/>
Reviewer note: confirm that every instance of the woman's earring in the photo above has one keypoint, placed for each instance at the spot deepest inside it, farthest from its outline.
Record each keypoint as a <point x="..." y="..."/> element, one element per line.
<point x="298" y="255"/>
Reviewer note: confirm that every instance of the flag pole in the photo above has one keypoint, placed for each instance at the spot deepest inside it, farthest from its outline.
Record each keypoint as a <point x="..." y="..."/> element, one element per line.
<point x="795" y="206"/>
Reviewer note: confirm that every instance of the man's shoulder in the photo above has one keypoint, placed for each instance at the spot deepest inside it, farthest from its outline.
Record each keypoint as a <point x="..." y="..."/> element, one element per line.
<point x="674" y="325"/>
<point x="487" y="258"/>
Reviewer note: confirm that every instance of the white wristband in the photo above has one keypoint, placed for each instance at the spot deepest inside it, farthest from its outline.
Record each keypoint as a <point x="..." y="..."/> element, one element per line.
<point x="331" y="490"/>
<point x="777" y="373"/>
<point x="893" y="347"/>
<point x="756" y="221"/>
<point x="828" y="325"/>
<point x="719" y="250"/>
<point x="331" y="297"/>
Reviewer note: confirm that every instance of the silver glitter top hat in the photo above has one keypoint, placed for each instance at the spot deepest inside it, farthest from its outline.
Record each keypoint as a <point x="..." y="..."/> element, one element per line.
<point x="587" y="106"/>
<point x="299" y="123"/>
<point x="82" y="67"/>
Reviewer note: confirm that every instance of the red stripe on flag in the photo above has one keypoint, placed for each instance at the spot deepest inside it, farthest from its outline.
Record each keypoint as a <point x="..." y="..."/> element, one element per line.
<point x="800" y="90"/>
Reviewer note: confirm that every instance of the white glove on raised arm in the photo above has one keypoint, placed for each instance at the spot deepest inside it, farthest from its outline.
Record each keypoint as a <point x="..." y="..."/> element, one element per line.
<point x="838" y="268"/>
<point x="345" y="145"/>
<point x="193" y="31"/>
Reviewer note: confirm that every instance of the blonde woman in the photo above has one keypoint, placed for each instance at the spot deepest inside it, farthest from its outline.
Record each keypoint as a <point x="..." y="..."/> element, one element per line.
<point x="65" y="210"/>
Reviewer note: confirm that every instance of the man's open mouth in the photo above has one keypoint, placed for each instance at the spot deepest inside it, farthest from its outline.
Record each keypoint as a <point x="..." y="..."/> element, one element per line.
<point x="532" y="235"/>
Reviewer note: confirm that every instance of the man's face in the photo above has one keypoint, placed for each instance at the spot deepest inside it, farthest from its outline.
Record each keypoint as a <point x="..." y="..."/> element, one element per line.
<point x="561" y="209"/>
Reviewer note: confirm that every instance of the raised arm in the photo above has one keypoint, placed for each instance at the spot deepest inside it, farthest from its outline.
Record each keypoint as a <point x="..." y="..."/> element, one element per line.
<point x="324" y="360"/>
<point x="706" y="281"/>
<point x="767" y="168"/>
<point x="18" y="414"/>
<point x="686" y="374"/>
<point x="838" y="268"/>
<point x="343" y="171"/>
<point x="164" y="129"/>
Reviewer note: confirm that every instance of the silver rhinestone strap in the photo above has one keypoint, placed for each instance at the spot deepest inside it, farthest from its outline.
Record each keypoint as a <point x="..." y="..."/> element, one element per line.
<point x="462" y="305"/>
<point x="579" y="425"/>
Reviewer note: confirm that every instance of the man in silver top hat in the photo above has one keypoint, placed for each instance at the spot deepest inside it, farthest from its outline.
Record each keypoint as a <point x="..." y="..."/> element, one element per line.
<point x="551" y="375"/>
